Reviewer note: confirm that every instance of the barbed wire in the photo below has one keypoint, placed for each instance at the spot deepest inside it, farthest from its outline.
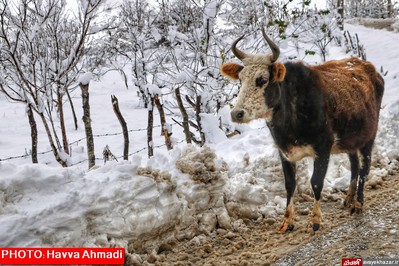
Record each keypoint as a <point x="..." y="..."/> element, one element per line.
<point x="85" y="160"/>
<point x="79" y="140"/>
<point x="23" y="156"/>
<point x="114" y="134"/>
<point x="99" y="136"/>
<point x="130" y="154"/>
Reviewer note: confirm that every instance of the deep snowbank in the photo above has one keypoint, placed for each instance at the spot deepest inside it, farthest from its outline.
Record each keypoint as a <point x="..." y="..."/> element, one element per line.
<point x="123" y="203"/>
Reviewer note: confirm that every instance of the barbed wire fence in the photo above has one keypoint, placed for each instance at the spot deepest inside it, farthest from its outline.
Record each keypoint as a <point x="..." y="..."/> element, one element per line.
<point x="27" y="154"/>
<point x="100" y="136"/>
<point x="130" y="154"/>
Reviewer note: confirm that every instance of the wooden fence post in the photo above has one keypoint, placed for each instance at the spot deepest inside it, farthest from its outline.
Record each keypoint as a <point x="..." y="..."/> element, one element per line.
<point x="115" y="106"/>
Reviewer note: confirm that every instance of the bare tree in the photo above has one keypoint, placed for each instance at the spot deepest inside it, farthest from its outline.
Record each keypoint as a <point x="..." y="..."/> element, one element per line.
<point x="340" y="7"/>
<point x="84" y="86"/>
<point x="185" y="123"/>
<point x="33" y="133"/>
<point x="133" y="41"/>
<point x="389" y="9"/>
<point x="194" y="54"/>
<point x="371" y="8"/>
<point x="150" y="126"/>
<point x="41" y="47"/>
<point x="142" y="45"/>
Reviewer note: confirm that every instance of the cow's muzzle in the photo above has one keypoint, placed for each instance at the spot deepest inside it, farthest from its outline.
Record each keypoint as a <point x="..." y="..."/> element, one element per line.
<point x="237" y="115"/>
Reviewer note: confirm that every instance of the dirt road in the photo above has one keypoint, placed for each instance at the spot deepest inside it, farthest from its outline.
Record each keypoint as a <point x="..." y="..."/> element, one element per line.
<point x="373" y="234"/>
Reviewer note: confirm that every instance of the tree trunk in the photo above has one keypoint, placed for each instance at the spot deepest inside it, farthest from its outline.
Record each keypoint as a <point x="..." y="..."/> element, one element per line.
<point x="340" y="6"/>
<point x="198" y="118"/>
<point x="50" y="118"/>
<point x="52" y="145"/>
<point x="75" y="119"/>
<point x="164" y="130"/>
<point x="122" y="121"/>
<point x="183" y="112"/>
<point x="87" y="122"/>
<point x="389" y="8"/>
<point x="150" y="127"/>
<point x="33" y="133"/>
<point x="62" y="121"/>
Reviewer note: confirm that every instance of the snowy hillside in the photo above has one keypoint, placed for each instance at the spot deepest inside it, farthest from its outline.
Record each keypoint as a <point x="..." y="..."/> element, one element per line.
<point x="176" y="194"/>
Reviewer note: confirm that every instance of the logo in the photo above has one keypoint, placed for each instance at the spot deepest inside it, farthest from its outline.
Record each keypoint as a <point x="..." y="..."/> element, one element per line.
<point x="352" y="261"/>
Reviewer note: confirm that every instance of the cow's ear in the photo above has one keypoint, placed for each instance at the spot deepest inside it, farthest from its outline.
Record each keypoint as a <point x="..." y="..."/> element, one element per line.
<point x="231" y="70"/>
<point x="278" y="72"/>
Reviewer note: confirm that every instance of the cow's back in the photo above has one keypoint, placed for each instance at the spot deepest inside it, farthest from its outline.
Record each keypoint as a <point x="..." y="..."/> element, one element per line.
<point x="353" y="92"/>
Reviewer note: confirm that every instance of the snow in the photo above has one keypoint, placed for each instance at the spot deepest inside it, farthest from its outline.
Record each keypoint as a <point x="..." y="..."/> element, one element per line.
<point x="211" y="9"/>
<point x="183" y="77"/>
<point x="85" y="78"/>
<point x="164" y="196"/>
<point x="210" y="126"/>
<point x="153" y="89"/>
<point x="156" y="34"/>
<point x="174" y="34"/>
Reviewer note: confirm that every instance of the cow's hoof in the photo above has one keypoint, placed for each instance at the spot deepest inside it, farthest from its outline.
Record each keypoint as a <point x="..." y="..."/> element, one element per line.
<point x="284" y="227"/>
<point x="315" y="227"/>
<point x="347" y="203"/>
<point x="356" y="210"/>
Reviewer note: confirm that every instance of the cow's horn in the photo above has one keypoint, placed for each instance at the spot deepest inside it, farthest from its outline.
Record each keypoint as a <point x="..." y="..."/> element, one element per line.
<point x="237" y="52"/>
<point x="273" y="46"/>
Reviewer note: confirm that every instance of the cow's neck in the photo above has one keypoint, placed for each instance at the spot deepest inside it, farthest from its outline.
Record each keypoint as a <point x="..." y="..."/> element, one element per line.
<point x="296" y="102"/>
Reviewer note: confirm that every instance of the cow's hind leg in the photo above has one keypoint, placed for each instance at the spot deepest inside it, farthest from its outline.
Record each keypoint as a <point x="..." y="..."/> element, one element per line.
<point x="350" y="196"/>
<point x="365" y="158"/>
<point x="289" y="170"/>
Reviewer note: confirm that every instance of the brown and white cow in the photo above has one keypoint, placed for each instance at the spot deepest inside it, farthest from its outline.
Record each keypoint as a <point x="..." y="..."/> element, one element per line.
<point x="311" y="111"/>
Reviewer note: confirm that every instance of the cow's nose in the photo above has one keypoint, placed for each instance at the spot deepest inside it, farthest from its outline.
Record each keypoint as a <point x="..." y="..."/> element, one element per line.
<point x="237" y="115"/>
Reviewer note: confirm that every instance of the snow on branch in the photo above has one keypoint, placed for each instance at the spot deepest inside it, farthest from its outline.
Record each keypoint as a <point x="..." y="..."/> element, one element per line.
<point x="85" y="78"/>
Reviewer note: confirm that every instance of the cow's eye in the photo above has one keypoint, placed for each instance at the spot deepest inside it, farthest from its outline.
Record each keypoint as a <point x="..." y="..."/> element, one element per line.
<point x="260" y="81"/>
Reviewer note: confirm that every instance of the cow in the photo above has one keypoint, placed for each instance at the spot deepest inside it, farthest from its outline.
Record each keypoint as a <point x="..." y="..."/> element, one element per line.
<point x="311" y="111"/>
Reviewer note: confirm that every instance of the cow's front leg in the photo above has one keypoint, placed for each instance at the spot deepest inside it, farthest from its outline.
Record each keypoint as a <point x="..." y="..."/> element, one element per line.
<point x="290" y="184"/>
<point x="317" y="182"/>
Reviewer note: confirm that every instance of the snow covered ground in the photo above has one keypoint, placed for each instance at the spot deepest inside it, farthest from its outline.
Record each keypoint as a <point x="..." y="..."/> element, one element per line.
<point x="175" y="194"/>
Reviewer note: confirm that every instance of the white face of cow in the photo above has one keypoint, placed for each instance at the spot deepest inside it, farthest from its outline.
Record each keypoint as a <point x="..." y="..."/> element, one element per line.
<point x="251" y="102"/>
<point x="254" y="76"/>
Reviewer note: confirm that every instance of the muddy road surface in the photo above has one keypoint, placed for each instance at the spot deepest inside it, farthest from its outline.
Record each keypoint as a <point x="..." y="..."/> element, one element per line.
<point x="372" y="234"/>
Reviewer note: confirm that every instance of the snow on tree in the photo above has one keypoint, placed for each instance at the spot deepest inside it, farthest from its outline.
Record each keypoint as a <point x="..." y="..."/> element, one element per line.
<point x="174" y="49"/>
<point x="371" y="8"/>
<point x="318" y="27"/>
<point x="195" y="51"/>
<point x="174" y="46"/>
<point x="42" y="45"/>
